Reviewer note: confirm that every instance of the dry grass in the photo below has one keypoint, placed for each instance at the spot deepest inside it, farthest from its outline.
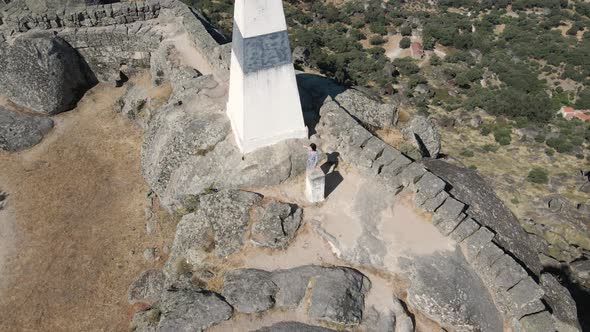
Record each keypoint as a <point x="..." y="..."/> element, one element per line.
<point x="77" y="201"/>
<point x="508" y="168"/>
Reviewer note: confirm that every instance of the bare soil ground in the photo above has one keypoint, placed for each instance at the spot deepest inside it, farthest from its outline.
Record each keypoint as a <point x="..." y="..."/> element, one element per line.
<point x="73" y="230"/>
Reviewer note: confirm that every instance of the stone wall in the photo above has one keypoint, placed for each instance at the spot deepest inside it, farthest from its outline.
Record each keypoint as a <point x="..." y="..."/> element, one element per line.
<point x="516" y="292"/>
<point x="117" y="36"/>
<point x="18" y="17"/>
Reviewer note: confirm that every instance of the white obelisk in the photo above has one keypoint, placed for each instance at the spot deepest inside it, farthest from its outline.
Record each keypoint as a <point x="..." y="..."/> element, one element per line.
<point x="263" y="104"/>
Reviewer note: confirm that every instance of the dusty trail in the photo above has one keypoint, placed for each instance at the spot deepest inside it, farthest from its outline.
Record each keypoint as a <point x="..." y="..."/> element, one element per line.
<point x="75" y="223"/>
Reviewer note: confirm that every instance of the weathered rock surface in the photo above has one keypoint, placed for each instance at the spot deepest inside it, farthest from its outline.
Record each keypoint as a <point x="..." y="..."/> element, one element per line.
<point x="185" y="310"/>
<point x="275" y="224"/>
<point x="183" y="144"/>
<point x="293" y="327"/>
<point x="174" y="135"/>
<point x="446" y="289"/>
<point x="148" y="287"/>
<point x="422" y="132"/>
<point x="538" y="322"/>
<point x="44" y="74"/>
<point x="488" y="210"/>
<point x="145" y="320"/>
<point x="301" y="56"/>
<point x="219" y="226"/>
<point x="581" y="270"/>
<point x="338" y="296"/>
<point x="337" y="293"/>
<point x="561" y="303"/>
<point x="249" y="291"/>
<point x="216" y="228"/>
<point x="20" y="131"/>
<point x="368" y="111"/>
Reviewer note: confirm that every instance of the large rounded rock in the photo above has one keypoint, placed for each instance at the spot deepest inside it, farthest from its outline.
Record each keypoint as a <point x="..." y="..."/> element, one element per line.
<point x="369" y="111"/>
<point x="19" y="131"/>
<point x="182" y="310"/>
<point x="294" y="327"/>
<point x="422" y="132"/>
<point x="44" y="74"/>
<point x="275" y="224"/>
<point x="249" y="290"/>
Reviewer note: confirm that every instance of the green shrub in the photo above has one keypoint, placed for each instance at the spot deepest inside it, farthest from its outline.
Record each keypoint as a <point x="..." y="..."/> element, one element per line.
<point x="485" y="129"/>
<point x="473" y="167"/>
<point x="580" y="156"/>
<point x="490" y="148"/>
<point x="376" y="40"/>
<point x="540" y="138"/>
<point x="435" y="60"/>
<point x="550" y="152"/>
<point x="538" y="175"/>
<point x="405" y="43"/>
<point x="357" y="34"/>
<point x="467" y="153"/>
<point x="502" y="135"/>
<point x="560" y="144"/>
<point x="406" y="31"/>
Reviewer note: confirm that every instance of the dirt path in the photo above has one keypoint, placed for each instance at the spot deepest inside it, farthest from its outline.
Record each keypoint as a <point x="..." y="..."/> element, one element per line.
<point x="75" y="217"/>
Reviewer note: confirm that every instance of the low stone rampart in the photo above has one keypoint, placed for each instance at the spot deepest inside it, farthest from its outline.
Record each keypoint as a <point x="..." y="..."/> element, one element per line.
<point x="516" y="292"/>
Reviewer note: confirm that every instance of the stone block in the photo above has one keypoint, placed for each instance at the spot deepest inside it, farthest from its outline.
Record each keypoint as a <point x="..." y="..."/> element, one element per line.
<point x="488" y="255"/>
<point x="525" y="298"/>
<point x="434" y="203"/>
<point x="465" y="229"/>
<point x="394" y="167"/>
<point x="473" y="245"/>
<point x="411" y="174"/>
<point x="507" y="272"/>
<point x="449" y="211"/>
<point x="315" y="183"/>
<point x="373" y="148"/>
<point x="388" y="155"/>
<point x="428" y="187"/>
<point x="446" y="226"/>
<point x="538" y="322"/>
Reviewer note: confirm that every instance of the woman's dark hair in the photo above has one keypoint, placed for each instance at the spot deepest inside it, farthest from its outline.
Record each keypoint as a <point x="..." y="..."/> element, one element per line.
<point x="313" y="146"/>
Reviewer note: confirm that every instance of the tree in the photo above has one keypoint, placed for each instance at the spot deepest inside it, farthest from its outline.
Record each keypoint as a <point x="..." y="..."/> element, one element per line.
<point x="406" y="30"/>
<point x="405" y="43"/>
<point x="435" y="60"/>
<point x="376" y="40"/>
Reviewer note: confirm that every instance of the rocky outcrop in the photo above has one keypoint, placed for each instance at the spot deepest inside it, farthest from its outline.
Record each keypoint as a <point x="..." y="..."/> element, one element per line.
<point x="220" y="224"/>
<point x="294" y="327"/>
<point x="445" y="288"/>
<point x="581" y="271"/>
<point x="44" y="74"/>
<point x="183" y="144"/>
<point x="509" y="283"/>
<point x="148" y="287"/>
<point x="368" y="111"/>
<point x="488" y="209"/>
<point x="422" y="132"/>
<point x="336" y="295"/>
<point x="183" y="310"/>
<point x="275" y="224"/>
<point x="216" y="228"/>
<point x="20" y="131"/>
<point x="562" y="304"/>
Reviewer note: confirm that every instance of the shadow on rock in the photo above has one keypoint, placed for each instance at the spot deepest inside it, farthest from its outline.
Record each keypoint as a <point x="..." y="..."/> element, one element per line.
<point x="580" y="294"/>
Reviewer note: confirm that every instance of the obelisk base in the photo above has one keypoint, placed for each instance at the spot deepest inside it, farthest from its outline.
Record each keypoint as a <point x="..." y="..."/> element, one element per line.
<point x="315" y="185"/>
